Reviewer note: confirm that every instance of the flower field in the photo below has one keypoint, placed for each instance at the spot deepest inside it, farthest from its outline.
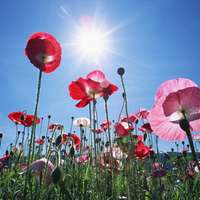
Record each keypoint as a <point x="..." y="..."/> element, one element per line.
<point x="105" y="160"/>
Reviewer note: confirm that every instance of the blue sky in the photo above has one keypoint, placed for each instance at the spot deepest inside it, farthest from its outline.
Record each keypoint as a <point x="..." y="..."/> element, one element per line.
<point x="153" y="40"/>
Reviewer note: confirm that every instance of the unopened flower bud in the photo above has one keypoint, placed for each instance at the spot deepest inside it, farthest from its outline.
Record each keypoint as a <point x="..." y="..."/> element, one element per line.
<point x="56" y="175"/>
<point x="184" y="124"/>
<point x="72" y="151"/>
<point x="166" y="155"/>
<point x="120" y="71"/>
<point x="144" y="136"/>
<point x="58" y="139"/>
<point x="11" y="153"/>
<point x="7" y="152"/>
<point x="105" y="97"/>
<point x="22" y="117"/>
<point x="1" y="134"/>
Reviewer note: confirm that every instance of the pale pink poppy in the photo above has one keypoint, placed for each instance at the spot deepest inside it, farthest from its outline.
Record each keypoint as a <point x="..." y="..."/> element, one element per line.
<point x="82" y="122"/>
<point x="165" y="116"/>
<point x="143" y="114"/>
<point x="132" y="118"/>
<point x="196" y="137"/>
<point x="83" y="159"/>
<point x="39" y="168"/>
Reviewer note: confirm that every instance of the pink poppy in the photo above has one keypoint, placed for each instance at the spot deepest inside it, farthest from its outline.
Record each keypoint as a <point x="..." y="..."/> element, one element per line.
<point x="132" y="118"/>
<point x="39" y="168"/>
<point x="122" y="129"/>
<point x="15" y="117"/>
<point x="146" y="128"/>
<point x="97" y="130"/>
<point x="141" y="151"/>
<point x="185" y="149"/>
<point x="29" y="120"/>
<point x="40" y="141"/>
<point x="165" y="116"/>
<point x="104" y="124"/>
<point x="83" y="159"/>
<point x="143" y="114"/>
<point x="54" y="125"/>
<point x="157" y="165"/>
<point x="159" y="173"/>
<point x="86" y="148"/>
<point x="95" y="84"/>
<point x="41" y="46"/>
<point x="196" y="137"/>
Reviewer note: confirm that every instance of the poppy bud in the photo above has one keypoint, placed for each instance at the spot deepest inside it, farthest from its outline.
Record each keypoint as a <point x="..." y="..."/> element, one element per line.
<point x="7" y="152"/>
<point x="22" y="117"/>
<point x="72" y="152"/>
<point x="43" y="137"/>
<point x="11" y="153"/>
<point x="136" y="121"/>
<point x="184" y="153"/>
<point x="97" y="140"/>
<point x="184" y="124"/>
<point x="72" y="117"/>
<point x="120" y="71"/>
<point x="1" y="134"/>
<point x="56" y="175"/>
<point x="188" y="146"/>
<point x="18" y="132"/>
<point x="183" y="142"/>
<point x="144" y="136"/>
<point x="58" y="139"/>
<point x="105" y="97"/>
<point x="166" y="155"/>
<point x="49" y="116"/>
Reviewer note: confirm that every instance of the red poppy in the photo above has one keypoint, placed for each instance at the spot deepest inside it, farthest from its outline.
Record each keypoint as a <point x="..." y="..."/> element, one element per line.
<point x="43" y="46"/>
<point x="40" y="141"/>
<point x="104" y="124"/>
<point x="122" y="129"/>
<point x="15" y="117"/>
<point x="141" y="151"/>
<point x="52" y="126"/>
<point x="95" y="85"/>
<point x="29" y="120"/>
<point x="107" y="160"/>
<point x="146" y="128"/>
<point x="159" y="173"/>
<point x="5" y="158"/>
<point x="73" y="136"/>
<point x="97" y="130"/>
<point x="1" y="164"/>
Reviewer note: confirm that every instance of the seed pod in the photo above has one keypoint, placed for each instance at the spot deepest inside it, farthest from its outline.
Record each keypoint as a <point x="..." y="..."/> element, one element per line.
<point x="56" y="175"/>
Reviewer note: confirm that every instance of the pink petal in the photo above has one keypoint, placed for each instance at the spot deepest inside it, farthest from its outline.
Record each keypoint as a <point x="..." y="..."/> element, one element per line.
<point x="96" y="75"/>
<point x="173" y="86"/>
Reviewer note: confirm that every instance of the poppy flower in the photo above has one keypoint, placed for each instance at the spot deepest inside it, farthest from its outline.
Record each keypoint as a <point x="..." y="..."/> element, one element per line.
<point x="104" y="124"/>
<point x="146" y="128"/>
<point x="122" y="129"/>
<point x="108" y="163"/>
<point x="82" y="122"/>
<point x="40" y="141"/>
<point x="39" y="168"/>
<point x="174" y="98"/>
<point x="1" y="164"/>
<point x="54" y="125"/>
<point x="141" y="151"/>
<point x="29" y="120"/>
<point x="15" y="117"/>
<point x="97" y="130"/>
<point x="95" y="85"/>
<point x="83" y="159"/>
<point x="159" y="173"/>
<point x="75" y="138"/>
<point x="43" y="47"/>
<point x="185" y="149"/>
<point x="143" y="114"/>
<point x="196" y="137"/>
<point x="5" y="157"/>
<point x="132" y="118"/>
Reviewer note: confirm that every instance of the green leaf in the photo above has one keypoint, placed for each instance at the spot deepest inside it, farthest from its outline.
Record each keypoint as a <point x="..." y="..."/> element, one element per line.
<point x="12" y="173"/>
<point x="125" y="139"/>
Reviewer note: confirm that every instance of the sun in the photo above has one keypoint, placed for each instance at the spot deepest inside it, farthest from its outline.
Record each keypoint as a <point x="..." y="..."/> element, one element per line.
<point x="92" y="42"/>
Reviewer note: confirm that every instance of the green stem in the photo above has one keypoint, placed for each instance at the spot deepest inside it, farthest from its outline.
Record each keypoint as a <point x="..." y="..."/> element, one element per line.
<point x="33" y="131"/>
